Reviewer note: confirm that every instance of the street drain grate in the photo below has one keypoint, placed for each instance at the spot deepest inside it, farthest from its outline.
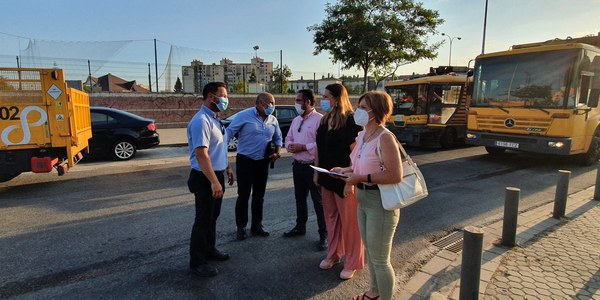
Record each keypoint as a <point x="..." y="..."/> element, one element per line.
<point x="451" y="242"/>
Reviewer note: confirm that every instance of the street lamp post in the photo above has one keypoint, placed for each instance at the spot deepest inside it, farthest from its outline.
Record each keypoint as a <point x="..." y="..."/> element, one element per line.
<point x="256" y="62"/>
<point x="451" y="39"/>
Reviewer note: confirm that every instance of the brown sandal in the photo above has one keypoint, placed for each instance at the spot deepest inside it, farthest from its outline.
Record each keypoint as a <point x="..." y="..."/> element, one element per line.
<point x="363" y="296"/>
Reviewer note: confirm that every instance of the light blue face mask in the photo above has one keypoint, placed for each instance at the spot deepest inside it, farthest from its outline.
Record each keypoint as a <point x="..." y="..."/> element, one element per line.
<point x="326" y="105"/>
<point x="223" y="103"/>
<point x="270" y="109"/>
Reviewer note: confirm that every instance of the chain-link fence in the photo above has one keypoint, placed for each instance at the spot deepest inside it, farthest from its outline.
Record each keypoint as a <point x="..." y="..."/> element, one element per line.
<point x="153" y="64"/>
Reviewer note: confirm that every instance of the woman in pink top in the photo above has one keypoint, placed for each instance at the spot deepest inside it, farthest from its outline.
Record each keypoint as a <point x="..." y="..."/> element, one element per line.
<point x="377" y="225"/>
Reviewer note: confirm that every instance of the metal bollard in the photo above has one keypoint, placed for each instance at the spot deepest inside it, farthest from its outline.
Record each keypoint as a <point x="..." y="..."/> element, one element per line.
<point x="596" y="189"/>
<point x="470" y="271"/>
<point x="562" y="191"/>
<point x="511" y="213"/>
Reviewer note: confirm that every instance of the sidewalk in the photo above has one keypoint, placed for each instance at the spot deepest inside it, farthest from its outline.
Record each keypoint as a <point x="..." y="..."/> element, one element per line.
<point x="554" y="259"/>
<point x="172" y="137"/>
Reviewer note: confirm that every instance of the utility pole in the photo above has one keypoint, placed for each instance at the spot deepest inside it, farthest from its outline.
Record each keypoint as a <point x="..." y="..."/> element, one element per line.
<point x="149" y="78"/>
<point x="90" y="75"/>
<point x="484" y="27"/>
<point x="156" y="65"/>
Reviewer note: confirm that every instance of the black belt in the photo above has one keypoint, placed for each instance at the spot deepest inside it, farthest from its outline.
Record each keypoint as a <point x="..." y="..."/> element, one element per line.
<point x="304" y="162"/>
<point x="362" y="186"/>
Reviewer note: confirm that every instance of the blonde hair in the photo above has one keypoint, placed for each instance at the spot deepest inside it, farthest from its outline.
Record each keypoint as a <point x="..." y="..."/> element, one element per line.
<point x="380" y="103"/>
<point x="343" y="109"/>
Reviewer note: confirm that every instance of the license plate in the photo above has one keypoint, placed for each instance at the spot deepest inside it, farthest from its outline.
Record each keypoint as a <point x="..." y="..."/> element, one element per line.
<point x="398" y="118"/>
<point x="507" y="144"/>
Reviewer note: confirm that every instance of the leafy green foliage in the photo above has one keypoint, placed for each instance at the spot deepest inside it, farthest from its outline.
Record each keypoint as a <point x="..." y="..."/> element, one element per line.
<point x="376" y="34"/>
<point x="240" y="87"/>
<point x="280" y="76"/>
<point x="178" y="86"/>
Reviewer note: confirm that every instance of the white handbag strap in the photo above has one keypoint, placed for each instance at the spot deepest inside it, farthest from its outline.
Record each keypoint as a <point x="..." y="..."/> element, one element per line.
<point x="402" y="151"/>
<point x="404" y="156"/>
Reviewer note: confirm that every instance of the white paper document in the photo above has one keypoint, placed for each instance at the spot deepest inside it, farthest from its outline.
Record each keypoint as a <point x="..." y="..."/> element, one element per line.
<point x="328" y="172"/>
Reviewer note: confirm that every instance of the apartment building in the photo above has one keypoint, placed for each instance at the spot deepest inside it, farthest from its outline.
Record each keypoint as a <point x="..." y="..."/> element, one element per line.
<point x="257" y="74"/>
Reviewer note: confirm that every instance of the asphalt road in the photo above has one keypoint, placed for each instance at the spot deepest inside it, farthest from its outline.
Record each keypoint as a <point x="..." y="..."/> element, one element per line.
<point x="120" y="230"/>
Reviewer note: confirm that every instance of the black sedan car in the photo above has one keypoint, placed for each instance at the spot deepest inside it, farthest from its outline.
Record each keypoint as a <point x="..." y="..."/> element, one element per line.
<point x="284" y="114"/>
<point x="120" y="134"/>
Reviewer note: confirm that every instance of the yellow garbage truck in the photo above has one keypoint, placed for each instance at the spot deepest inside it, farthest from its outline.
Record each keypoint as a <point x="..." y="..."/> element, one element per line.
<point x="431" y="110"/>
<point x="44" y="124"/>
<point x="539" y="97"/>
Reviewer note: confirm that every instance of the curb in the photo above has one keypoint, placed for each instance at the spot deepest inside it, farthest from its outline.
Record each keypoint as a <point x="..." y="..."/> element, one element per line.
<point x="172" y="145"/>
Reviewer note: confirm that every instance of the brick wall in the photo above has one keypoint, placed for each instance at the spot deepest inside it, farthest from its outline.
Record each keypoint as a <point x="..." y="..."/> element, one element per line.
<point x="173" y="110"/>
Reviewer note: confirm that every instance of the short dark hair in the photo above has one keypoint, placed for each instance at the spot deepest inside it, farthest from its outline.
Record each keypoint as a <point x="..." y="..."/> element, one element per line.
<point x="308" y="95"/>
<point x="212" y="87"/>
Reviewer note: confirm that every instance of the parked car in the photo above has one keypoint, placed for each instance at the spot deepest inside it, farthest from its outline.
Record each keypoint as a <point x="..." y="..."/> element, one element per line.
<point x="120" y="134"/>
<point x="284" y="114"/>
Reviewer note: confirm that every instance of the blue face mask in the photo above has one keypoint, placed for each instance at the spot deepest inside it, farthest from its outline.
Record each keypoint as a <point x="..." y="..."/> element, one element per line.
<point x="270" y="109"/>
<point x="223" y="103"/>
<point x="326" y="105"/>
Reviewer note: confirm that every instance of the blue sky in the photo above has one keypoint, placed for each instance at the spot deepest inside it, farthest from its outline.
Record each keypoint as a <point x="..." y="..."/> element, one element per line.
<point x="230" y="28"/>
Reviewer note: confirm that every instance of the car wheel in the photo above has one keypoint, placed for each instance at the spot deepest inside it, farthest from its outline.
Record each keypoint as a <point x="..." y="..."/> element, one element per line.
<point x="232" y="146"/>
<point x="123" y="150"/>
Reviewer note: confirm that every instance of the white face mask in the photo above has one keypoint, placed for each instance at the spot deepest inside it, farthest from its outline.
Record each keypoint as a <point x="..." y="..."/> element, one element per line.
<point x="361" y="117"/>
<point x="299" y="108"/>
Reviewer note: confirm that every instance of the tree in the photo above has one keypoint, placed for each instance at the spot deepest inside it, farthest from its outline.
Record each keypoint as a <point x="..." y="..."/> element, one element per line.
<point x="278" y="78"/>
<point x="252" y="76"/>
<point x="178" y="86"/>
<point x="240" y="87"/>
<point x="380" y="73"/>
<point x="371" y="34"/>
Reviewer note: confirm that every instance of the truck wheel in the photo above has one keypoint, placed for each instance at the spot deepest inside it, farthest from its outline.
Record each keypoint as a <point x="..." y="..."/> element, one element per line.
<point x="123" y="150"/>
<point x="593" y="153"/>
<point x="494" y="151"/>
<point x="4" y="177"/>
<point x="448" y="138"/>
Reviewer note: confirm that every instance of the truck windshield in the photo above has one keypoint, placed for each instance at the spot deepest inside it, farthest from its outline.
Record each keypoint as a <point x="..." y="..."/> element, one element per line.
<point x="524" y="80"/>
<point x="404" y="98"/>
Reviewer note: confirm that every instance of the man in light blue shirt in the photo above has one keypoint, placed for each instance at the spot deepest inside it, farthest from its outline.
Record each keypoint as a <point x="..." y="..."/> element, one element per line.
<point x="208" y="160"/>
<point x="257" y="129"/>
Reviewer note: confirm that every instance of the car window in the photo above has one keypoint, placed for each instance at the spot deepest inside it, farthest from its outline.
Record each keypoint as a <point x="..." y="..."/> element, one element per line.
<point x="285" y="114"/>
<point x="100" y="118"/>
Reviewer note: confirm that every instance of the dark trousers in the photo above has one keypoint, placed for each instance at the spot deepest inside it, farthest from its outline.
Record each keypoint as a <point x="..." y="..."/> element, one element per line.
<point x="303" y="184"/>
<point x="252" y="178"/>
<point x="204" y="231"/>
